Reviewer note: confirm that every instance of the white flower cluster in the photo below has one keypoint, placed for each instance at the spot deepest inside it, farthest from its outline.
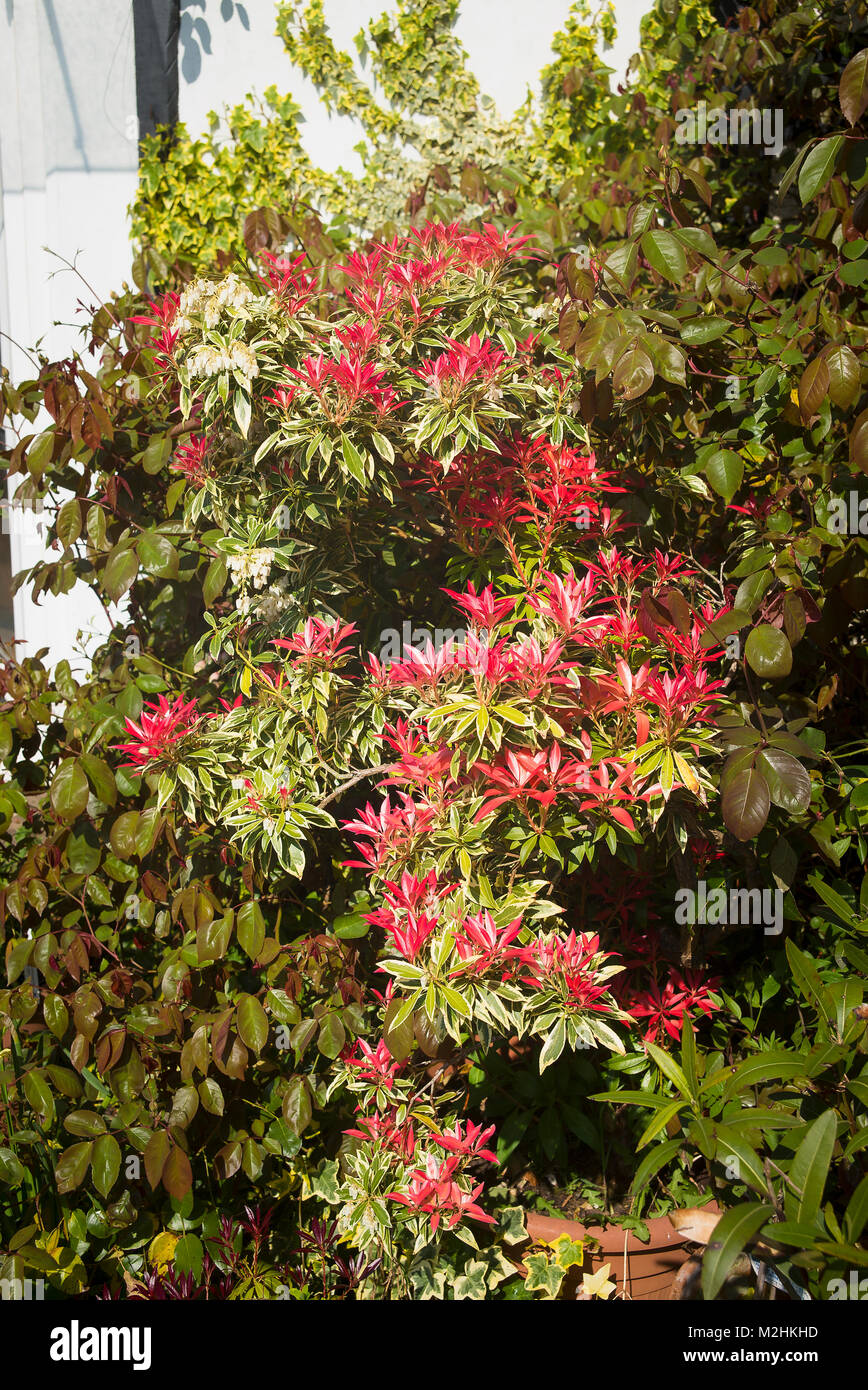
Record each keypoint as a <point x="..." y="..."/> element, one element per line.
<point x="251" y="567"/>
<point x="274" y="601"/>
<point x="208" y="360"/>
<point x="541" y="312"/>
<point x="208" y="299"/>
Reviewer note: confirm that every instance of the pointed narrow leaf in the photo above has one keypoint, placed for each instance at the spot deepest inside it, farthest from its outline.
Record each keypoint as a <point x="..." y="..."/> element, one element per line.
<point x="729" y="1237"/>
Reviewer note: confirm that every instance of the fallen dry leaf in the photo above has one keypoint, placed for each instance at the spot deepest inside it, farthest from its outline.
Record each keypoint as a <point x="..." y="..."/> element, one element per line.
<point x="695" y="1223"/>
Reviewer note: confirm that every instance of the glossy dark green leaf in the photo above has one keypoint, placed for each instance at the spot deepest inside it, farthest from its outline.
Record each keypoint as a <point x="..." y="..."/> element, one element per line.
<point x="768" y="652"/>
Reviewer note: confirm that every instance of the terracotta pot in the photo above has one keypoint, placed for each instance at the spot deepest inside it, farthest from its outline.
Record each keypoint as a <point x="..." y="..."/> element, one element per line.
<point x="640" y="1271"/>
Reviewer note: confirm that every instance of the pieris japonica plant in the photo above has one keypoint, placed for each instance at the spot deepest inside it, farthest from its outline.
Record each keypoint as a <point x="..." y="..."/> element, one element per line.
<point x="347" y="443"/>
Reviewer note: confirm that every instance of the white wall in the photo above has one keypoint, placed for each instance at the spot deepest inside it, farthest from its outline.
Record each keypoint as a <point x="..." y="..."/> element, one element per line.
<point x="68" y="168"/>
<point x="68" y="164"/>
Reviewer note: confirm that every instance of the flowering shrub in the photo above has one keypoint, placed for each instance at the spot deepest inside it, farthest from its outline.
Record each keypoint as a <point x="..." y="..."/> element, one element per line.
<point x="580" y="700"/>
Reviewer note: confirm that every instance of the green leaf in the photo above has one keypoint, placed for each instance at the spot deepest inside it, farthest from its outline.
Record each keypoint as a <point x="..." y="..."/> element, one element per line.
<point x="69" y="790"/>
<point x="56" y="1014"/>
<point x="72" y="1166"/>
<point x="157" y="554"/>
<point x="105" y="1163"/>
<point x="215" y="580"/>
<point x="332" y="1036"/>
<point x="252" y="1022"/>
<point x="809" y="1170"/>
<point x="119" y="573"/>
<point x="210" y="1096"/>
<point x="297" y="1107"/>
<point x="853" y="87"/>
<point x="695" y="332"/>
<point x="156" y="455"/>
<point x="177" y="1175"/>
<point x="665" y="254"/>
<point x="856" y="1214"/>
<point x="671" y="1070"/>
<point x="39" y="453"/>
<point x="156" y="1153"/>
<point x="399" y="1037"/>
<point x="819" y="167"/>
<point x="39" y="1097"/>
<point x="731" y="1234"/>
<point x="788" y="781"/>
<point x="68" y="523"/>
<point x="351" y="926"/>
<point x="188" y="1256"/>
<point x="833" y="900"/>
<point x="353" y="460"/>
<point x="250" y="929"/>
<point x="12" y="1173"/>
<point x="659" y="1122"/>
<point x="654" y="1161"/>
<point x="725" y="470"/>
<point x="814" y="385"/>
<point x="845" y="377"/>
<point x="101" y="778"/>
<point x="763" y="1067"/>
<point x="809" y="983"/>
<point x="633" y="374"/>
<point x="553" y="1045"/>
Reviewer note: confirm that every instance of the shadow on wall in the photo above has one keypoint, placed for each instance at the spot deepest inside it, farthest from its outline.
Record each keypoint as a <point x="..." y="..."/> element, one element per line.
<point x="195" y="34"/>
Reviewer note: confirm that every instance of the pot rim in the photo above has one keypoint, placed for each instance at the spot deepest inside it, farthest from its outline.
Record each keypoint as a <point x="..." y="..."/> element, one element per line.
<point x="611" y="1238"/>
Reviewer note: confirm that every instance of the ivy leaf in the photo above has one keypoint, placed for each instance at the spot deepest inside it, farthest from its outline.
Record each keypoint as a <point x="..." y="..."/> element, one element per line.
<point x="543" y="1276"/>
